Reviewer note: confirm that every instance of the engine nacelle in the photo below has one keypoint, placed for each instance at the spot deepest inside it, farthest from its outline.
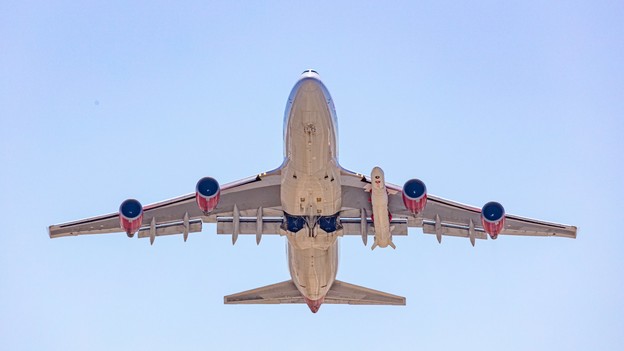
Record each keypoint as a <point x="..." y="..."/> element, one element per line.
<point x="131" y="216"/>
<point x="493" y="218"/>
<point x="207" y="194"/>
<point x="415" y="195"/>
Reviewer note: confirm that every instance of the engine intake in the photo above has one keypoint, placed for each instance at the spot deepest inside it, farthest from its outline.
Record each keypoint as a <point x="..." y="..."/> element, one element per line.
<point x="493" y="218"/>
<point x="130" y="216"/>
<point x="207" y="194"/>
<point x="415" y="196"/>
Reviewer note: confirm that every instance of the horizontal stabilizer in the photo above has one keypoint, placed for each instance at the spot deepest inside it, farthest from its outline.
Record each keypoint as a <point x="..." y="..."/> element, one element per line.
<point x="345" y="293"/>
<point x="284" y="292"/>
<point x="340" y="293"/>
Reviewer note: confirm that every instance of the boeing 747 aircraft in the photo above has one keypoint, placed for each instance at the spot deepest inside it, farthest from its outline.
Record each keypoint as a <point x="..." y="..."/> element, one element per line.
<point x="312" y="201"/>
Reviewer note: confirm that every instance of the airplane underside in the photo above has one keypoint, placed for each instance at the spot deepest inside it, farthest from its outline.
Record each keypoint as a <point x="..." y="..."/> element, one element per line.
<point x="312" y="201"/>
<point x="311" y="191"/>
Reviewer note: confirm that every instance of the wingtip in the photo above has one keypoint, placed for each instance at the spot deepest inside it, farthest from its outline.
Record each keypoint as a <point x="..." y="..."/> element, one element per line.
<point x="50" y="229"/>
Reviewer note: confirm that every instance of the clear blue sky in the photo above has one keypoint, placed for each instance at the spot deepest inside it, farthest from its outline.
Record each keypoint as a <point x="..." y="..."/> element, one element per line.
<point x="520" y="102"/>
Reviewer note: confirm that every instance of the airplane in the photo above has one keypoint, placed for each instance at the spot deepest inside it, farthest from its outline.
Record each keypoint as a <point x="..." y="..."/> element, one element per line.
<point x="312" y="201"/>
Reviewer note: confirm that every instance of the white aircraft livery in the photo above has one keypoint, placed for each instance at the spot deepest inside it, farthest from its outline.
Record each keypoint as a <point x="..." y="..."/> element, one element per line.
<point x="312" y="201"/>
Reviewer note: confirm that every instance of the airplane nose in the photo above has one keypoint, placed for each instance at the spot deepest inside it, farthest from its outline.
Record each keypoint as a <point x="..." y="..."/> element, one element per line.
<point x="310" y="74"/>
<point x="309" y="85"/>
<point x="310" y="81"/>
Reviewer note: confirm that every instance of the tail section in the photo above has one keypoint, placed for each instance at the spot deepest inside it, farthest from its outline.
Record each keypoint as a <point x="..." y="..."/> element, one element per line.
<point x="340" y="293"/>
<point x="388" y="243"/>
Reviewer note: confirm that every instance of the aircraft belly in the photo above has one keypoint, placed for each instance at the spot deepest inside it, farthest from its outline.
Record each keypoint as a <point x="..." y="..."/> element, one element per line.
<point x="311" y="177"/>
<point x="311" y="187"/>
<point x="313" y="269"/>
<point x="315" y="195"/>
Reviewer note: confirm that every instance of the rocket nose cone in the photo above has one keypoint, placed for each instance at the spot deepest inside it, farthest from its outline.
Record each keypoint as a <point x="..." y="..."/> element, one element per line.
<point x="314" y="304"/>
<point x="377" y="173"/>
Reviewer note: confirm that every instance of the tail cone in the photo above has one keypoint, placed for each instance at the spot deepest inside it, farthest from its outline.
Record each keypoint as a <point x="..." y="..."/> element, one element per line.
<point x="314" y="304"/>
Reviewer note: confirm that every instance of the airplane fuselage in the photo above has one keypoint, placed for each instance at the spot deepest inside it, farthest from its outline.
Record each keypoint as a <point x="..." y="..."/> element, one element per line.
<point x="310" y="187"/>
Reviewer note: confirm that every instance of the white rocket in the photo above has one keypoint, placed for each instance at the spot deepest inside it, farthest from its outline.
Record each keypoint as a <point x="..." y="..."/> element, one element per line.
<point x="379" y="203"/>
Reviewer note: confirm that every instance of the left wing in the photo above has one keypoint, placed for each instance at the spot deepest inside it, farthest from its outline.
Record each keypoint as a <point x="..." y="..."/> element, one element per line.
<point x="182" y="215"/>
<point x="441" y="216"/>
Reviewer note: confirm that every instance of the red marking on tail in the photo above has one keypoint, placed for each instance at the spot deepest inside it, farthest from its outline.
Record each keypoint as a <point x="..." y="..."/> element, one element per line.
<point x="314" y="304"/>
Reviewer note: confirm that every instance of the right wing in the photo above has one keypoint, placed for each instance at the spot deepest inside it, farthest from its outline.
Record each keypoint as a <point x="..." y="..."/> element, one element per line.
<point x="250" y="195"/>
<point x="453" y="218"/>
<point x="440" y="216"/>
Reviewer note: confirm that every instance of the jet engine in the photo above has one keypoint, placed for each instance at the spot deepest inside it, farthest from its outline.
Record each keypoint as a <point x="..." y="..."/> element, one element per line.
<point x="415" y="195"/>
<point x="131" y="216"/>
<point x="493" y="218"/>
<point x="207" y="194"/>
